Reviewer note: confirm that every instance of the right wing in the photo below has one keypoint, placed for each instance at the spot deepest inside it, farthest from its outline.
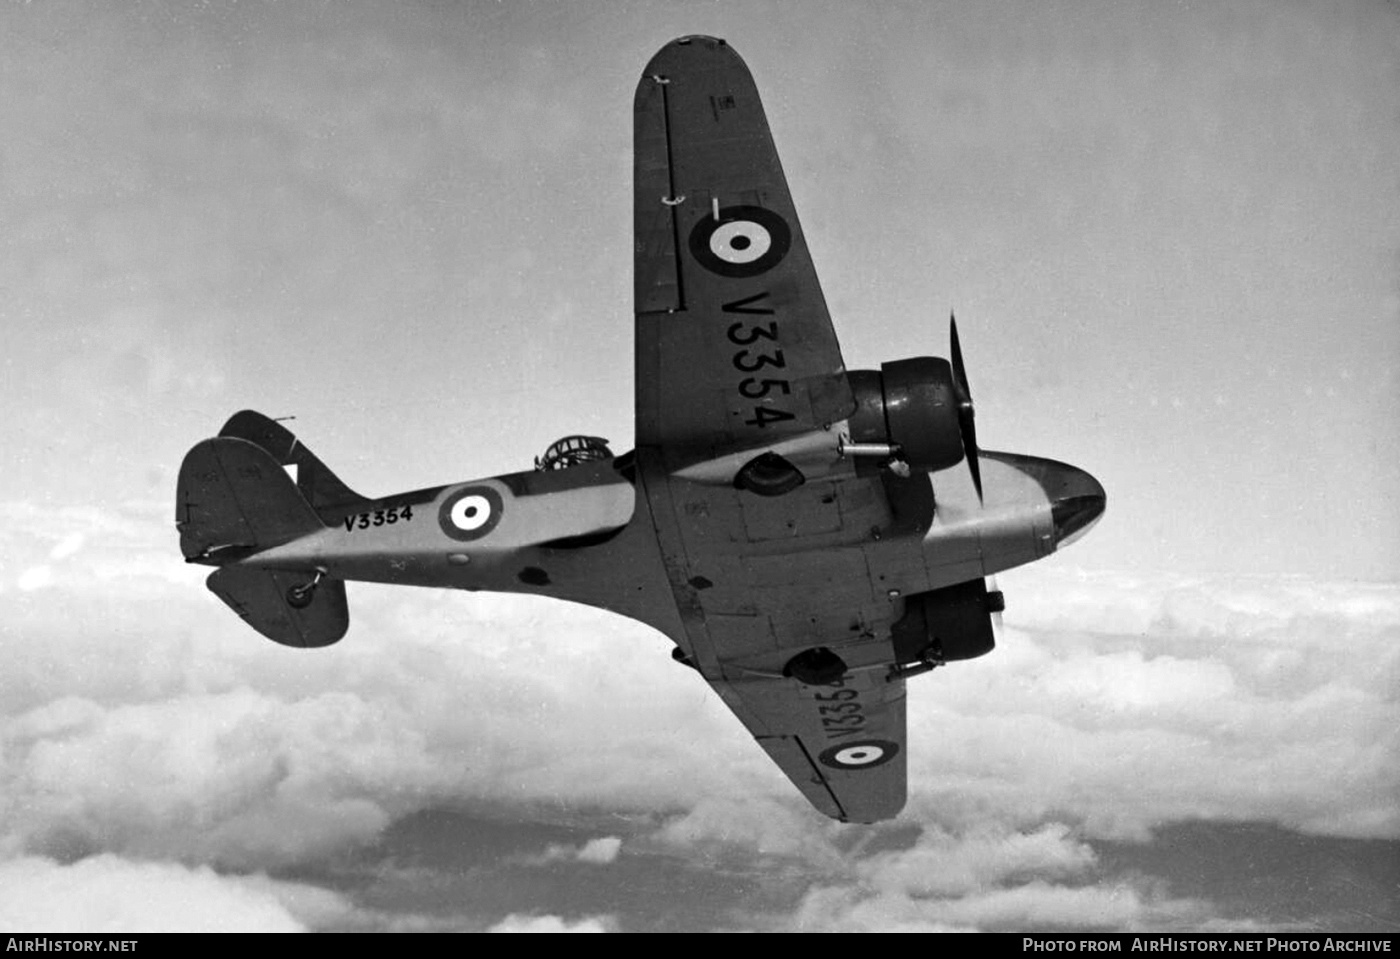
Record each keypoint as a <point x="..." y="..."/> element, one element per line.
<point x="736" y="355"/>
<point x="735" y="348"/>
<point x="842" y="744"/>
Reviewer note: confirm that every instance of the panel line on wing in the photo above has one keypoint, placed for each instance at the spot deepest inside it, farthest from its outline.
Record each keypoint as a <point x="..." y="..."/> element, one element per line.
<point x="672" y="201"/>
<point x="821" y="777"/>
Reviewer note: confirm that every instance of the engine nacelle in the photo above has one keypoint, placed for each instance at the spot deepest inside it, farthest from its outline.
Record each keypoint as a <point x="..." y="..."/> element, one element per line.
<point x="948" y="624"/>
<point x="911" y="404"/>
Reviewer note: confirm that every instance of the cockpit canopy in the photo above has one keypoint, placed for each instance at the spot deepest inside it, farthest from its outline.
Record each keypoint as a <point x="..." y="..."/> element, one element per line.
<point x="572" y="451"/>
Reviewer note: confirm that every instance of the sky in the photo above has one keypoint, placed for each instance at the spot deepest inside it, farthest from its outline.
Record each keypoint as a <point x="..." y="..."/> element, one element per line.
<point x="1171" y="233"/>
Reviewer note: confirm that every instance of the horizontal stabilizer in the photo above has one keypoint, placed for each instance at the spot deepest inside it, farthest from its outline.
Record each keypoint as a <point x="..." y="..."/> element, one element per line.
<point x="260" y="597"/>
<point x="233" y="499"/>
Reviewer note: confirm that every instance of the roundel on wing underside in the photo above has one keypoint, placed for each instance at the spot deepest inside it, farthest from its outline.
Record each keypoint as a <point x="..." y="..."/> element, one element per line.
<point x="742" y="241"/>
<point x="470" y="512"/>
<point x="863" y="754"/>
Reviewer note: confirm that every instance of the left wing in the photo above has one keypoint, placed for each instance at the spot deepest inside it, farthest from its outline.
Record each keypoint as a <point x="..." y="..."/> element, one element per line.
<point x="842" y="744"/>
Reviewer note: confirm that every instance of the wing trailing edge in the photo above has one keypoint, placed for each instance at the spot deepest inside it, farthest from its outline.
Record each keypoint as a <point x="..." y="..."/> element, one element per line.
<point x="841" y="744"/>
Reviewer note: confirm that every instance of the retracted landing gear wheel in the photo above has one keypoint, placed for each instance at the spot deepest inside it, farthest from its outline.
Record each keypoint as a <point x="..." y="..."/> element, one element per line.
<point x="818" y="666"/>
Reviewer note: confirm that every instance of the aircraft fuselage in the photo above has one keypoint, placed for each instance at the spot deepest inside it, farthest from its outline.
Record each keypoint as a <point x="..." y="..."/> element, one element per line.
<point x="586" y="534"/>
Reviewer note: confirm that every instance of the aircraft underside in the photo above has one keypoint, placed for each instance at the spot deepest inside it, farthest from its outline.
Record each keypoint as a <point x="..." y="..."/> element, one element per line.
<point x="808" y="537"/>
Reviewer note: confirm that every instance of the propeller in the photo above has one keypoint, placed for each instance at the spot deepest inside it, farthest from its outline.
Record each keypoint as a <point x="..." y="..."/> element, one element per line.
<point x="996" y="602"/>
<point x="966" y="414"/>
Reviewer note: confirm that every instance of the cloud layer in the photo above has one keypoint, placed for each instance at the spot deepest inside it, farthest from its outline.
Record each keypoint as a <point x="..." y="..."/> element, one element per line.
<point x="145" y="725"/>
<point x="107" y="894"/>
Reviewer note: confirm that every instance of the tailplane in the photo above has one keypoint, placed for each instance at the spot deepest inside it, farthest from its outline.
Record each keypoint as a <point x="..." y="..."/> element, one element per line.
<point x="271" y="602"/>
<point x="235" y="499"/>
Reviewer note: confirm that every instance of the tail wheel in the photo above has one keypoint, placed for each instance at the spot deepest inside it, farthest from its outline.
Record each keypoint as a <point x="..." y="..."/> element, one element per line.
<point x="300" y="597"/>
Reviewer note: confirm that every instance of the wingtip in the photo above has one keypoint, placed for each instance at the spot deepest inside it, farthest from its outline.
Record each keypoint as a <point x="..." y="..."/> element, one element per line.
<point x="670" y="56"/>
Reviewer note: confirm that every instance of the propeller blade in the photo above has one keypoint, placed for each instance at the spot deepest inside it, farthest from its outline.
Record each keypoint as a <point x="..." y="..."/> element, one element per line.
<point x="970" y="445"/>
<point x="966" y="413"/>
<point x="959" y="371"/>
<point x="996" y="602"/>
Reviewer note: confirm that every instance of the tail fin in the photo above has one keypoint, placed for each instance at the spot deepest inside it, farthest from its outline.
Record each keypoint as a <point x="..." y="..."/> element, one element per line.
<point x="235" y="499"/>
<point x="329" y="497"/>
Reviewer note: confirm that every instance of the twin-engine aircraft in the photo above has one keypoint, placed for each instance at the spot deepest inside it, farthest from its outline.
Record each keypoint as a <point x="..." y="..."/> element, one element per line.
<point x="808" y="536"/>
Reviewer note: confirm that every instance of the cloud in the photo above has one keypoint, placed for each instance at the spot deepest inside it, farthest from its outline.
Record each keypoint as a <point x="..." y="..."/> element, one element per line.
<point x="601" y="851"/>
<point x="598" y="852"/>
<point x="1127" y="702"/>
<point x="762" y="824"/>
<point x="1118" y="703"/>
<point x="235" y="778"/>
<point x="989" y="877"/>
<point x="946" y="865"/>
<point x="525" y="923"/>
<point x="35" y="577"/>
<point x="1034" y="905"/>
<point x="69" y="545"/>
<point x="108" y="894"/>
<point x="140" y="719"/>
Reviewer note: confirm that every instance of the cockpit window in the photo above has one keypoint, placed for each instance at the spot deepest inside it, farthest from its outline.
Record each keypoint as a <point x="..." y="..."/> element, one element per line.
<point x="573" y="450"/>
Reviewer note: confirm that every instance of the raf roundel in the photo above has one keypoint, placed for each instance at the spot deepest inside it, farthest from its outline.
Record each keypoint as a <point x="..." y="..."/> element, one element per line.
<point x="470" y="513"/>
<point x="742" y="241"/>
<point x="865" y="754"/>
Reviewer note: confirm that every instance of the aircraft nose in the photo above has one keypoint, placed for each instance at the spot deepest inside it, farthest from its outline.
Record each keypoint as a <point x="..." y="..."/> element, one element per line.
<point x="1077" y="501"/>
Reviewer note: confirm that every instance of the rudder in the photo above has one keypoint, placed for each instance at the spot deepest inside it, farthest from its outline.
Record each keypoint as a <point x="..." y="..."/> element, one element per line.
<point x="233" y="499"/>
